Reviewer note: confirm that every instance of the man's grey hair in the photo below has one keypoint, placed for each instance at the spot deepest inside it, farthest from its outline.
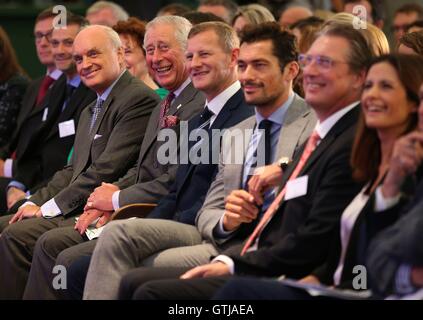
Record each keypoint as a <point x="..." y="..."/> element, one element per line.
<point x="119" y="13"/>
<point x="181" y="26"/>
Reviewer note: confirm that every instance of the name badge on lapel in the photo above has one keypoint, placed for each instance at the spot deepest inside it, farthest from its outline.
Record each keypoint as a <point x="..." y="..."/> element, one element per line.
<point x="66" y="128"/>
<point x="296" y="188"/>
<point x="45" y="114"/>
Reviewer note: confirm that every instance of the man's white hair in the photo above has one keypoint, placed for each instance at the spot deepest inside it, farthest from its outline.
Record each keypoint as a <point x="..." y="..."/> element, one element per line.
<point x="119" y="13"/>
<point x="180" y="25"/>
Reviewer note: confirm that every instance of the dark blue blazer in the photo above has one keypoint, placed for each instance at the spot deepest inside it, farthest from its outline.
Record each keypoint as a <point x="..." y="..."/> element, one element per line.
<point x="192" y="182"/>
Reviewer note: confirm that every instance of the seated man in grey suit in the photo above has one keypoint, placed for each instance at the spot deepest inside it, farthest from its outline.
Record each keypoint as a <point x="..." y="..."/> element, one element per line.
<point x="266" y="77"/>
<point x="147" y="180"/>
<point x="107" y="143"/>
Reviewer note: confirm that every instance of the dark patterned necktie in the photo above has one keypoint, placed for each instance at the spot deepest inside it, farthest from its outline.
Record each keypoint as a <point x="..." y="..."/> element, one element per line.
<point x="96" y="112"/>
<point x="165" y="108"/>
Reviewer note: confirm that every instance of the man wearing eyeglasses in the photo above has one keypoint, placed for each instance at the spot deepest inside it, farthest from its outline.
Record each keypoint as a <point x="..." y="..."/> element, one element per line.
<point x="293" y="237"/>
<point x="45" y="154"/>
<point x="32" y="112"/>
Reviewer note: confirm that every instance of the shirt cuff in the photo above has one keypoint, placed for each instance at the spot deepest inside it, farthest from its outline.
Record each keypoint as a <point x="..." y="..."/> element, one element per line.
<point x="115" y="200"/>
<point x="403" y="283"/>
<point x="382" y="203"/>
<point x="8" y="168"/>
<point x="50" y="209"/>
<point x="27" y="203"/>
<point x="16" y="184"/>
<point x="226" y="260"/>
<point x="219" y="230"/>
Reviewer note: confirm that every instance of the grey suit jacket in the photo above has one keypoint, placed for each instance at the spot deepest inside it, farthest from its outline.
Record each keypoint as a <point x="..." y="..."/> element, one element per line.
<point x="148" y="181"/>
<point x="297" y="126"/>
<point x="108" y="151"/>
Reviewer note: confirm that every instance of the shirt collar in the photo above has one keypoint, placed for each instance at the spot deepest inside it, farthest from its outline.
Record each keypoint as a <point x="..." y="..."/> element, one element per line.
<point x="106" y="93"/>
<point x="178" y="91"/>
<point x="279" y="115"/>
<point x="55" y="74"/>
<point x="75" y="81"/>
<point x="217" y="103"/>
<point x="324" y="127"/>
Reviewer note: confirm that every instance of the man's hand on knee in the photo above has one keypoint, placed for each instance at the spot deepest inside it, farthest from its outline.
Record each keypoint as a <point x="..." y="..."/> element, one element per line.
<point x="26" y="212"/>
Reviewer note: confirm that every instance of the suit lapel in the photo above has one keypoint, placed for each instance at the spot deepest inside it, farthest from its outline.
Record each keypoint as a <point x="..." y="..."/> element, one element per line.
<point x="234" y="171"/>
<point x="82" y="95"/>
<point x="346" y="121"/>
<point x="186" y="96"/>
<point x="218" y="123"/>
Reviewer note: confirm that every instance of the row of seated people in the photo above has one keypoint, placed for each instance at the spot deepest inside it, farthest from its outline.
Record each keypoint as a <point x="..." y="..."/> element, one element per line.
<point x="282" y="219"/>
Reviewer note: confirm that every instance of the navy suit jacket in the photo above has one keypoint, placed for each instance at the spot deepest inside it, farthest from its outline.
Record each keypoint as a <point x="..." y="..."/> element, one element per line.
<point x="192" y="182"/>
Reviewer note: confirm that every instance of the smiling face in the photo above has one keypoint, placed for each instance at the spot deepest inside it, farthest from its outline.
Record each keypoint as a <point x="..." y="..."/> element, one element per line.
<point x="165" y="56"/>
<point x="211" y="68"/>
<point x="134" y="56"/>
<point x="42" y="28"/>
<point x="62" y="48"/>
<point x="384" y="100"/>
<point x="98" y="62"/>
<point x="330" y="87"/>
<point x="263" y="82"/>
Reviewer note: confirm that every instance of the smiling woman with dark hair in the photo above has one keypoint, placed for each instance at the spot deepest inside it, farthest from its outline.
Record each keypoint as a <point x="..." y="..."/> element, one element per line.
<point x="13" y="84"/>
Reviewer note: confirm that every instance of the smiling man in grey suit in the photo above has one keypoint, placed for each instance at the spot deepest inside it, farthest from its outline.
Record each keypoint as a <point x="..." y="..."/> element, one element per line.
<point x="107" y="143"/>
<point x="148" y="180"/>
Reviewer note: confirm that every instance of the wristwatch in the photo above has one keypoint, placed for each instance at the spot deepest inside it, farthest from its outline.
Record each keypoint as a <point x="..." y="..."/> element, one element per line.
<point x="283" y="162"/>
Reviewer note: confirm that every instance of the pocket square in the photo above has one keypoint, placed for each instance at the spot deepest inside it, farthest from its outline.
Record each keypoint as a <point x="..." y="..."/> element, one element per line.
<point x="97" y="136"/>
<point x="170" y="121"/>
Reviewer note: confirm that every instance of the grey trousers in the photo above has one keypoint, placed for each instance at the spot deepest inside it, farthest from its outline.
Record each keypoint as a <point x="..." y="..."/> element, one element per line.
<point x="57" y="247"/>
<point x="17" y="243"/>
<point x="128" y="244"/>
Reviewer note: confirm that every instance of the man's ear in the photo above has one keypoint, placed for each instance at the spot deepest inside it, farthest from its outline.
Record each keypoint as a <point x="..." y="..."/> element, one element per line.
<point x="360" y="79"/>
<point x="234" y="57"/>
<point x="292" y="70"/>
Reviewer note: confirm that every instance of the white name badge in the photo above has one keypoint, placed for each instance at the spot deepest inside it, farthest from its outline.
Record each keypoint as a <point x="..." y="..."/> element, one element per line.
<point x="66" y="128"/>
<point x="45" y="114"/>
<point x="296" y="188"/>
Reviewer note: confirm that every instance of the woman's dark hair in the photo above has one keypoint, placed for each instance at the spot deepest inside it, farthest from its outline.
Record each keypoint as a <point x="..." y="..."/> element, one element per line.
<point x="9" y="64"/>
<point x="409" y="69"/>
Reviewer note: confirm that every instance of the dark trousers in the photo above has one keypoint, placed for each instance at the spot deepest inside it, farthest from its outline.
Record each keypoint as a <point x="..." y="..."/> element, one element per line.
<point x="259" y="289"/>
<point x="40" y="238"/>
<point x="77" y="273"/>
<point x="4" y="182"/>
<point x="164" y="284"/>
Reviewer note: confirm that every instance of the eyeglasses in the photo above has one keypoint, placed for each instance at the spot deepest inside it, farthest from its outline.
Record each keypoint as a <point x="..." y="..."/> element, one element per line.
<point x="67" y="43"/>
<point x="322" y="62"/>
<point x="40" y="35"/>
